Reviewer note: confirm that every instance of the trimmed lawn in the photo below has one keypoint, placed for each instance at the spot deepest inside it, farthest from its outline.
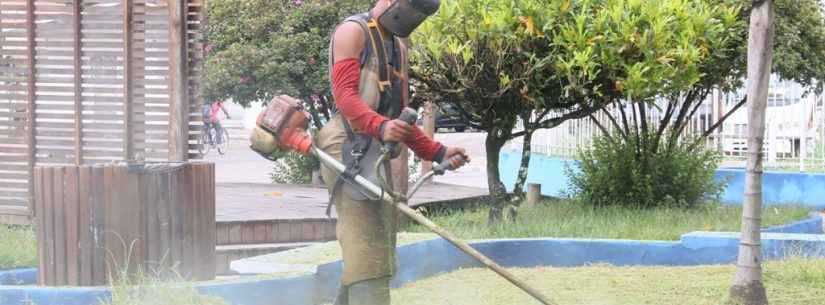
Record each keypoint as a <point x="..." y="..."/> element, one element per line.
<point x="567" y="218"/>
<point x="792" y="282"/>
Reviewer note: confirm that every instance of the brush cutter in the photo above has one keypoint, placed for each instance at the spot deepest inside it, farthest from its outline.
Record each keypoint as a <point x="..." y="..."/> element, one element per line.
<point x="283" y="127"/>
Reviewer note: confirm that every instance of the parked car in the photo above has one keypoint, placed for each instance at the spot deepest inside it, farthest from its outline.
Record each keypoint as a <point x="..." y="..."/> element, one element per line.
<point x="448" y="117"/>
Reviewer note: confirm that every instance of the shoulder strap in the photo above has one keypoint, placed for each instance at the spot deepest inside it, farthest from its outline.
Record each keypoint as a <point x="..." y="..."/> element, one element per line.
<point x="374" y="43"/>
<point x="377" y="41"/>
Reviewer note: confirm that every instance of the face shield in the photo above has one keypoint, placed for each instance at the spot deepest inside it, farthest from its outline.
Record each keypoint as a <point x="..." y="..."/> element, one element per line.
<point x="403" y="16"/>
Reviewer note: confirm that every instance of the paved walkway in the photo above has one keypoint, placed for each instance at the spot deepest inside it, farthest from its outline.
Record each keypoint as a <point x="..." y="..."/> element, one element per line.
<point x="251" y="201"/>
<point x="244" y="190"/>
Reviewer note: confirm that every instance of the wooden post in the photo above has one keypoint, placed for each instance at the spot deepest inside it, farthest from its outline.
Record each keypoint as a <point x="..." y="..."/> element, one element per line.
<point x="97" y="221"/>
<point x="178" y="85"/>
<point x="533" y="194"/>
<point x="128" y="144"/>
<point x="429" y="130"/>
<point x="31" y="105"/>
<point x="78" y="81"/>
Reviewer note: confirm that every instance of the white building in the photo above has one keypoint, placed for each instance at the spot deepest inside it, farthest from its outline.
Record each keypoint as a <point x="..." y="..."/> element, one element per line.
<point x="791" y="115"/>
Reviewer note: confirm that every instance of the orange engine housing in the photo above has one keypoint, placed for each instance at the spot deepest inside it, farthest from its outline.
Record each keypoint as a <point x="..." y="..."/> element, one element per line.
<point x="288" y="122"/>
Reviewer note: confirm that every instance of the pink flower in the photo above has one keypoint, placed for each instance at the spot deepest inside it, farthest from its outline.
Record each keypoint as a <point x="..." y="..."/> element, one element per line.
<point x="245" y="79"/>
<point x="297" y="2"/>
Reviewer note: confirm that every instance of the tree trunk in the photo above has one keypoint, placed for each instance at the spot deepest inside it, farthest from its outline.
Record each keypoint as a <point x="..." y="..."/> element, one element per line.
<point x="518" y="190"/>
<point x="747" y="286"/>
<point x="498" y="193"/>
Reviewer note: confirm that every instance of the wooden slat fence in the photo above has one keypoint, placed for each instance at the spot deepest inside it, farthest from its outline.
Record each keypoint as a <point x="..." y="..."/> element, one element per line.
<point x="100" y="222"/>
<point x="88" y="81"/>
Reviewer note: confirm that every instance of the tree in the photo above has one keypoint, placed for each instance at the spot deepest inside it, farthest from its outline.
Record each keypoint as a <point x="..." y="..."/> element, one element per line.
<point x="257" y="49"/>
<point x="800" y="45"/>
<point x="747" y="285"/>
<point x="544" y="62"/>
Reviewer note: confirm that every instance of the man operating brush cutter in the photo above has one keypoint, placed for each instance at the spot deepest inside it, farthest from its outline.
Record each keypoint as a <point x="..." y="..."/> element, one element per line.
<point x="369" y="76"/>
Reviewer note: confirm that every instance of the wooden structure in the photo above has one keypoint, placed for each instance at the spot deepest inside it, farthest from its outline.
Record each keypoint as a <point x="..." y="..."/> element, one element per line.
<point x="533" y="194"/>
<point x="91" y="81"/>
<point x="98" y="222"/>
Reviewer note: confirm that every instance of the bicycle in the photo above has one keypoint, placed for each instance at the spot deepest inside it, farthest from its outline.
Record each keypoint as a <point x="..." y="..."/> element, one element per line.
<point x="206" y="141"/>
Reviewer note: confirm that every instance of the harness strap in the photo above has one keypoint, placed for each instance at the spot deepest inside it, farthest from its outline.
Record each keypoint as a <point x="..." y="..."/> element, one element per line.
<point x="377" y="41"/>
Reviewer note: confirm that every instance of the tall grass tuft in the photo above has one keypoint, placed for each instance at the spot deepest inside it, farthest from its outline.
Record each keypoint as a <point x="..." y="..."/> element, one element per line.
<point x="570" y="218"/>
<point x="159" y="288"/>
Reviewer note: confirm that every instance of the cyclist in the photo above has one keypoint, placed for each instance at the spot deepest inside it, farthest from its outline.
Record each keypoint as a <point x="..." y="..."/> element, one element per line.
<point x="211" y="119"/>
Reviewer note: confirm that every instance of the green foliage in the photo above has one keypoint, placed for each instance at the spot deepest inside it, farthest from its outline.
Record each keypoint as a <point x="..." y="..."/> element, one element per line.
<point x="547" y="61"/>
<point x="799" y="45"/>
<point x="616" y="172"/>
<point x="257" y="49"/>
<point x="295" y="168"/>
<point x="575" y="219"/>
<point x="18" y="247"/>
<point x="587" y="50"/>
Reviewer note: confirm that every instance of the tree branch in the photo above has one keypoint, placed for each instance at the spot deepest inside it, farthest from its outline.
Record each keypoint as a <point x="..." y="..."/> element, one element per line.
<point x="624" y="120"/>
<point x="663" y="123"/>
<point x="684" y="109"/>
<point x="601" y="127"/>
<point x="615" y="124"/>
<point x="701" y="98"/>
<point x="580" y="113"/>
<point x="725" y="117"/>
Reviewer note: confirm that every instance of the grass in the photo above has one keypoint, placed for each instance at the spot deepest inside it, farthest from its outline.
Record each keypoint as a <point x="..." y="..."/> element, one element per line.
<point x="329" y="251"/>
<point x="152" y="291"/>
<point x="792" y="282"/>
<point x="565" y="218"/>
<point x="18" y="247"/>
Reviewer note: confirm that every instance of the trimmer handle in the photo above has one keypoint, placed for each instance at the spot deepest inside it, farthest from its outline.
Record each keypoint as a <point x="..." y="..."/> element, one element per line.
<point x="449" y="164"/>
<point x="409" y="116"/>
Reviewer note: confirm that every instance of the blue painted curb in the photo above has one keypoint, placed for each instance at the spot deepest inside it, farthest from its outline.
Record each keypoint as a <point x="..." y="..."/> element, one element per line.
<point x="433" y="257"/>
<point x="18" y="276"/>
<point x="811" y="225"/>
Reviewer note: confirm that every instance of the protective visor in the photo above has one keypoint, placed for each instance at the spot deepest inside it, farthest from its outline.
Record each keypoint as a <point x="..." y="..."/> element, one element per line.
<point x="404" y="16"/>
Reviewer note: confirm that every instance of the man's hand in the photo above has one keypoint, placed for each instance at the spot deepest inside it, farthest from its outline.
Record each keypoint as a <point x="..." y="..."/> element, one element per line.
<point x="396" y="131"/>
<point x="456" y="151"/>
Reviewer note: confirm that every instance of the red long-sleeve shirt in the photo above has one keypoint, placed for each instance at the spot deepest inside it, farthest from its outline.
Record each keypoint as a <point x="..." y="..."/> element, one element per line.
<point x="346" y="76"/>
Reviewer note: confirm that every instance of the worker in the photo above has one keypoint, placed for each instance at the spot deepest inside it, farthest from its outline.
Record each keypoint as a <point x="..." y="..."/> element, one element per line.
<point x="370" y="85"/>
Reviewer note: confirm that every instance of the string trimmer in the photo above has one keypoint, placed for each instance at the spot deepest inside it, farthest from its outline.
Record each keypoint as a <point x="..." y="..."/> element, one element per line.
<point x="283" y="127"/>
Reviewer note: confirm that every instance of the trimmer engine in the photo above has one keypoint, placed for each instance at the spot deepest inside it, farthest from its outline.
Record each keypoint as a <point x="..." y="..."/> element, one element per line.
<point x="282" y="127"/>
